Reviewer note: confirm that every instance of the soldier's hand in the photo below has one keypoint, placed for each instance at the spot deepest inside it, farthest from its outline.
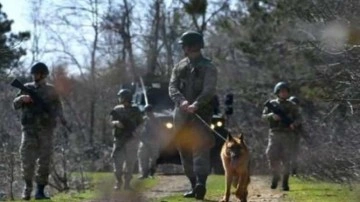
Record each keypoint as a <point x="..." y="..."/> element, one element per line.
<point x="191" y="108"/>
<point x="184" y="105"/>
<point x="26" y="99"/>
<point x="292" y="126"/>
<point x="276" y="117"/>
<point x="117" y="124"/>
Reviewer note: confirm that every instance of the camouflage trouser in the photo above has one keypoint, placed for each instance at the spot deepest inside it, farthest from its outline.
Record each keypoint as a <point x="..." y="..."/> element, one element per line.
<point x="280" y="150"/>
<point x="194" y="142"/>
<point x="148" y="153"/>
<point x="295" y="150"/>
<point x="124" y="153"/>
<point x="36" y="147"/>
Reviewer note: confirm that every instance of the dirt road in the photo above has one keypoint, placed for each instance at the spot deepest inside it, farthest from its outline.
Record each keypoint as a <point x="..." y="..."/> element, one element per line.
<point x="175" y="185"/>
<point x="169" y="185"/>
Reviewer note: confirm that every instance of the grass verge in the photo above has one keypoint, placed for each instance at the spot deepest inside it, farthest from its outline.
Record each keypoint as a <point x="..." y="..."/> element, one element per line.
<point x="100" y="184"/>
<point x="314" y="191"/>
<point x="301" y="190"/>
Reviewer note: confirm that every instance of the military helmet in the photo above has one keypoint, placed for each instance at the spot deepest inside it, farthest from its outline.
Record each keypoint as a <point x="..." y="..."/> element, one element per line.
<point x="125" y="94"/>
<point x="148" y="108"/>
<point x="192" y="38"/>
<point x="39" y="68"/>
<point x="294" y="99"/>
<point x="279" y="86"/>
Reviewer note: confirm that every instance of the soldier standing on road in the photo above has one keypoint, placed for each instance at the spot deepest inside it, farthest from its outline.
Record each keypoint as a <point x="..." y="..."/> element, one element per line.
<point x="281" y="136"/>
<point x="149" y="147"/>
<point x="192" y="87"/>
<point x="38" y="127"/>
<point x="124" y="119"/>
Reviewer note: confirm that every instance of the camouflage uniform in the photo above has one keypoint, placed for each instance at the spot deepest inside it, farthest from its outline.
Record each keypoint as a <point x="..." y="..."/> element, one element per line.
<point x="281" y="140"/>
<point x="149" y="147"/>
<point x="195" y="81"/>
<point x="125" y="143"/>
<point x="37" y="133"/>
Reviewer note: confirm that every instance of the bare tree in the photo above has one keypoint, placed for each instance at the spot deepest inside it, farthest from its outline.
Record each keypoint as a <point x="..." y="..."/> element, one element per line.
<point x="119" y="22"/>
<point x="200" y="13"/>
<point x="36" y="18"/>
<point x="168" y="37"/>
<point x="82" y="15"/>
<point x="154" y="35"/>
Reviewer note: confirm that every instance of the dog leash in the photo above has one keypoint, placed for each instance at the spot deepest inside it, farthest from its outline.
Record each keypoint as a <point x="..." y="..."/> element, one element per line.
<point x="206" y="124"/>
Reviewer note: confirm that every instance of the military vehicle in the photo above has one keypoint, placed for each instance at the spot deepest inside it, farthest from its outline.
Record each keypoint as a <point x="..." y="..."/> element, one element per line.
<point x="158" y="97"/>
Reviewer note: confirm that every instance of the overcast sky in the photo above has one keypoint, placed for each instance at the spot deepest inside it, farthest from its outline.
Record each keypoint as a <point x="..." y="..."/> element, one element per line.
<point x="20" y="12"/>
<point x="17" y="11"/>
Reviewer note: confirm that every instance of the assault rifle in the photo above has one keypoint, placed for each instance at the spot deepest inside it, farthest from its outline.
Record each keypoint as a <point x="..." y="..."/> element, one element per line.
<point x="276" y="110"/>
<point x="125" y="133"/>
<point x="129" y="126"/>
<point x="38" y="102"/>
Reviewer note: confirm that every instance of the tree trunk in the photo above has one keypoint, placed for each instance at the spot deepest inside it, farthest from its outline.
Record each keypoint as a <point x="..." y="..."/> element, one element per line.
<point x="154" y="39"/>
<point x="127" y="38"/>
<point x="93" y="91"/>
<point x="168" y="45"/>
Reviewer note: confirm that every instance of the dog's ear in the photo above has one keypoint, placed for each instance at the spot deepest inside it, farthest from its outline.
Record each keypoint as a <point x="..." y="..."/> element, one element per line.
<point x="229" y="137"/>
<point x="241" y="137"/>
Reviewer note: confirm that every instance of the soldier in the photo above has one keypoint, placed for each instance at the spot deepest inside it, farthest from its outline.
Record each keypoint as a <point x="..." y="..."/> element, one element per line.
<point x="192" y="87"/>
<point x="124" y="119"/>
<point x="38" y="126"/>
<point x="281" y="136"/>
<point x="150" y="139"/>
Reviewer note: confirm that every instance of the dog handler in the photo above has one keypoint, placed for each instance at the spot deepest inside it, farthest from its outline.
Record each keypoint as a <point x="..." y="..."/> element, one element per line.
<point x="192" y="87"/>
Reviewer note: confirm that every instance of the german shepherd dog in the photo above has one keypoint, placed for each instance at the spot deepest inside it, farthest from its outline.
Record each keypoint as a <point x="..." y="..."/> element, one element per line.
<point x="235" y="158"/>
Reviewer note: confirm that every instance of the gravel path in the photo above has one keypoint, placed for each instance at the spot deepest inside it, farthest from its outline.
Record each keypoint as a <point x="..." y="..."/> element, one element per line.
<point x="259" y="190"/>
<point x="168" y="185"/>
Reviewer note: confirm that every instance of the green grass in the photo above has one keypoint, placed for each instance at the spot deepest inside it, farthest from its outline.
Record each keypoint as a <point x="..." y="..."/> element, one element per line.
<point x="314" y="191"/>
<point x="100" y="184"/>
<point x="301" y="190"/>
<point x="69" y="197"/>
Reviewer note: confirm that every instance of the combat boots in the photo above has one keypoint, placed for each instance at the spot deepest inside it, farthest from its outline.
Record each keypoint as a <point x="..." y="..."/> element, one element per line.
<point x="191" y="193"/>
<point x="144" y="175"/>
<point x="127" y="177"/>
<point x="285" y="183"/>
<point x="118" y="183"/>
<point x="274" y="181"/>
<point x="39" y="195"/>
<point x="294" y="171"/>
<point x="200" y="189"/>
<point x="26" y="195"/>
<point x="152" y="172"/>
